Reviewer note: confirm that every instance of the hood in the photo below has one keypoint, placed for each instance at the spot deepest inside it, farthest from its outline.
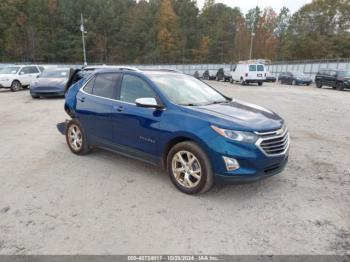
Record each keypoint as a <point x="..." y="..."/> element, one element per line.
<point x="241" y="116"/>
<point x="56" y="82"/>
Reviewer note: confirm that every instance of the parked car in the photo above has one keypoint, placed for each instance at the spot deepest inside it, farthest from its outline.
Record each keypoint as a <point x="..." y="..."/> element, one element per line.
<point x="246" y="73"/>
<point x="294" y="78"/>
<point x="270" y="78"/>
<point x="337" y="79"/>
<point x="223" y="74"/>
<point x="209" y="74"/>
<point x="196" y="75"/>
<point x="18" y="76"/>
<point x="177" y="122"/>
<point x="51" y="82"/>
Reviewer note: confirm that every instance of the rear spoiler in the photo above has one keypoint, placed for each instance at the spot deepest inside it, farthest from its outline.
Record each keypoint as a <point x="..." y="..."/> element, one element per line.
<point x="73" y="78"/>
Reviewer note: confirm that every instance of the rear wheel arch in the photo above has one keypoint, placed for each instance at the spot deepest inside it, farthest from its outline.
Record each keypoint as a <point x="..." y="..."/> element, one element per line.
<point x="70" y="111"/>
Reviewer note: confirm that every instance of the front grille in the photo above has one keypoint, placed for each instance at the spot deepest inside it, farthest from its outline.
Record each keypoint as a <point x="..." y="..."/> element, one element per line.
<point x="274" y="142"/>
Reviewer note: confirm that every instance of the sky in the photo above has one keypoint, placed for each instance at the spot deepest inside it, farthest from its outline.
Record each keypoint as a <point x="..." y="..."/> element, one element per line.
<point x="245" y="5"/>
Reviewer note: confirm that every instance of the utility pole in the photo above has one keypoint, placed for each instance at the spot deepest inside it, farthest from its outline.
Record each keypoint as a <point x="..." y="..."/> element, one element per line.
<point x="83" y="32"/>
<point x="252" y="38"/>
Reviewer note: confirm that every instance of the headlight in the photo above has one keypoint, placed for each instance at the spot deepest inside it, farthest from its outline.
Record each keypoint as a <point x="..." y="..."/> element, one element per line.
<point x="240" y="136"/>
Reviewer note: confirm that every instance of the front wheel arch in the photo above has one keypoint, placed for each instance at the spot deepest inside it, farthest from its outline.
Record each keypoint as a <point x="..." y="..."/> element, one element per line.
<point x="183" y="137"/>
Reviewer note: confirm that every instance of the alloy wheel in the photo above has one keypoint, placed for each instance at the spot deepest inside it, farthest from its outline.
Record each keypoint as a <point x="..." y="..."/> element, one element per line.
<point x="16" y="86"/>
<point x="75" y="137"/>
<point x="186" y="169"/>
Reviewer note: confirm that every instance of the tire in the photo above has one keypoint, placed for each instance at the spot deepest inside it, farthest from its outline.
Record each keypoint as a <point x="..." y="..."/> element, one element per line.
<point x="183" y="179"/>
<point x="81" y="145"/>
<point x="231" y="80"/>
<point x="16" y="86"/>
<point x="242" y="82"/>
<point x="340" y="86"/>
<point x="318" y="85"/>
<point x="260" y="83"/>
<point x="35" y="96"/>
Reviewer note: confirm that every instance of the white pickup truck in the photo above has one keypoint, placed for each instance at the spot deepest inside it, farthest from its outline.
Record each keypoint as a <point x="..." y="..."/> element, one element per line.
<point x="17" y="76"/>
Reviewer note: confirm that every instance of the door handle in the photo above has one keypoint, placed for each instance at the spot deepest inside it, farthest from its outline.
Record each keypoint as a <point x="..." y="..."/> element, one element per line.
<point x="81" y="99"/>
<point x="118" y="108"/>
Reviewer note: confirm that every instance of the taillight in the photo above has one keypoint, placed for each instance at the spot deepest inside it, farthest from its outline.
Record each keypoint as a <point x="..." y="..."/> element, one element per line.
<point x="246" y="74"/>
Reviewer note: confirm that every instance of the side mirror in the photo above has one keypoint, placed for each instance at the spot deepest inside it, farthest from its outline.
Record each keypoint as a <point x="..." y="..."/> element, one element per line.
<point x="37" y="76"/>
<point x="21" y="73"/>
<point x="148" y="102"/>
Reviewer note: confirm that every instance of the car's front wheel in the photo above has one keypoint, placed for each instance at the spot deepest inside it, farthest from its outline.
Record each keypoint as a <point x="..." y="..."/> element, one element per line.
<point x="76" y="138"/>
<point x="16" y="86"/>
<point x="189" y="168"/>
<point x="340" y="86"/>
<point x="35" y="96"/>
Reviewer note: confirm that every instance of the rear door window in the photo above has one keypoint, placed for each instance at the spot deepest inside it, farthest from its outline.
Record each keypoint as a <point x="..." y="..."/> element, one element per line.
<point x="25" y="70"/>
<point x="105" y="85"/>
<point x="252" y="68"/>
<point x="33" y="70"/>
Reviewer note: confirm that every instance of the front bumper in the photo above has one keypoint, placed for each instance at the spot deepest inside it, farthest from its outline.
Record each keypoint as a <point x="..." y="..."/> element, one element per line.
<point x="259" y="175"/>
<point x="46" y="91"/>
<point x="254" y="163"/>
<point x="270" y="79"/>
<point x="5" y="84"/>
<point x="255" y="80"/>
<point x="303" y="82"/>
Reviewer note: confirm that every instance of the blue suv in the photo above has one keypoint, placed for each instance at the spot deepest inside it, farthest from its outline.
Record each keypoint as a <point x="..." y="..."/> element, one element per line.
<point x="177" y="122"/>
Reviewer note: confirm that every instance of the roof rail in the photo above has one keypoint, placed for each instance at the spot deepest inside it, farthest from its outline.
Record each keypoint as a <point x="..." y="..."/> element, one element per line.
<point x="162" y="69"/>
<point x="112" y="67"/>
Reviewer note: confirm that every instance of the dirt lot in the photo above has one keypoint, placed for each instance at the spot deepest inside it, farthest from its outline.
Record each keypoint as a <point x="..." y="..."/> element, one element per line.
<point x="53" y="202"/>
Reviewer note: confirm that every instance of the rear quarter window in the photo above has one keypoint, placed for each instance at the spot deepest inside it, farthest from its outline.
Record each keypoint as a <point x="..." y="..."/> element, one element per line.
<point x="88" y="87"/>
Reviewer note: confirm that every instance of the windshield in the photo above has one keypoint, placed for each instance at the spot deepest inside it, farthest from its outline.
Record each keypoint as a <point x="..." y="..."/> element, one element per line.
<point x="186" y="90"/>
<point x="10" y="70"/>
<point x="299" y="74"/>
<point x="61" y="73"/>
<point x="344" y="73"/>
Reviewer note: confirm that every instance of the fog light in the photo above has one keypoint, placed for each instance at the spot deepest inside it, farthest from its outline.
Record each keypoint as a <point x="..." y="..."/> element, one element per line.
<point x="231" y="163"/>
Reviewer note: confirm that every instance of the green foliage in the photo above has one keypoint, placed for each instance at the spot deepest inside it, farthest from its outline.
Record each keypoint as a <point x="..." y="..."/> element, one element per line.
<point x="169" y="31"/>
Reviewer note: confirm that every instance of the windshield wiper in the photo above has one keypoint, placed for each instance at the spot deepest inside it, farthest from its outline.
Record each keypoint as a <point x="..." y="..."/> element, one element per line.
<point x="190" y="104"/>
<point x="218" y="102"/>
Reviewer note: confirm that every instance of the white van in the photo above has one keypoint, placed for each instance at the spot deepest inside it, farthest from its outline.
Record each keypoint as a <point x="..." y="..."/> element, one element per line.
<point x="17" y="76"/>
<point x="246" y="73"/>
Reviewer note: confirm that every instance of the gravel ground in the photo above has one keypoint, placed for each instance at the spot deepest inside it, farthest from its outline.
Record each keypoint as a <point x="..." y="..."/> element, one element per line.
<point x="54" y="202"/>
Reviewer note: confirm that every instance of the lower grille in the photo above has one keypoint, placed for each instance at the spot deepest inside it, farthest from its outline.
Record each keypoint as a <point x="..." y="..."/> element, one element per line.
<point x="272" y="168"/>
<point x="275" y="142"/>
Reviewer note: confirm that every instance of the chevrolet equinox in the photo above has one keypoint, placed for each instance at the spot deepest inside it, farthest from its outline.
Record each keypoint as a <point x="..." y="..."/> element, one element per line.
<point x="177" y="122"/>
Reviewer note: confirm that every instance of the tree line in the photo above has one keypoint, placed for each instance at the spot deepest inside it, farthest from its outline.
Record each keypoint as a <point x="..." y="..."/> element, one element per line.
<point x="169" y="31"/>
